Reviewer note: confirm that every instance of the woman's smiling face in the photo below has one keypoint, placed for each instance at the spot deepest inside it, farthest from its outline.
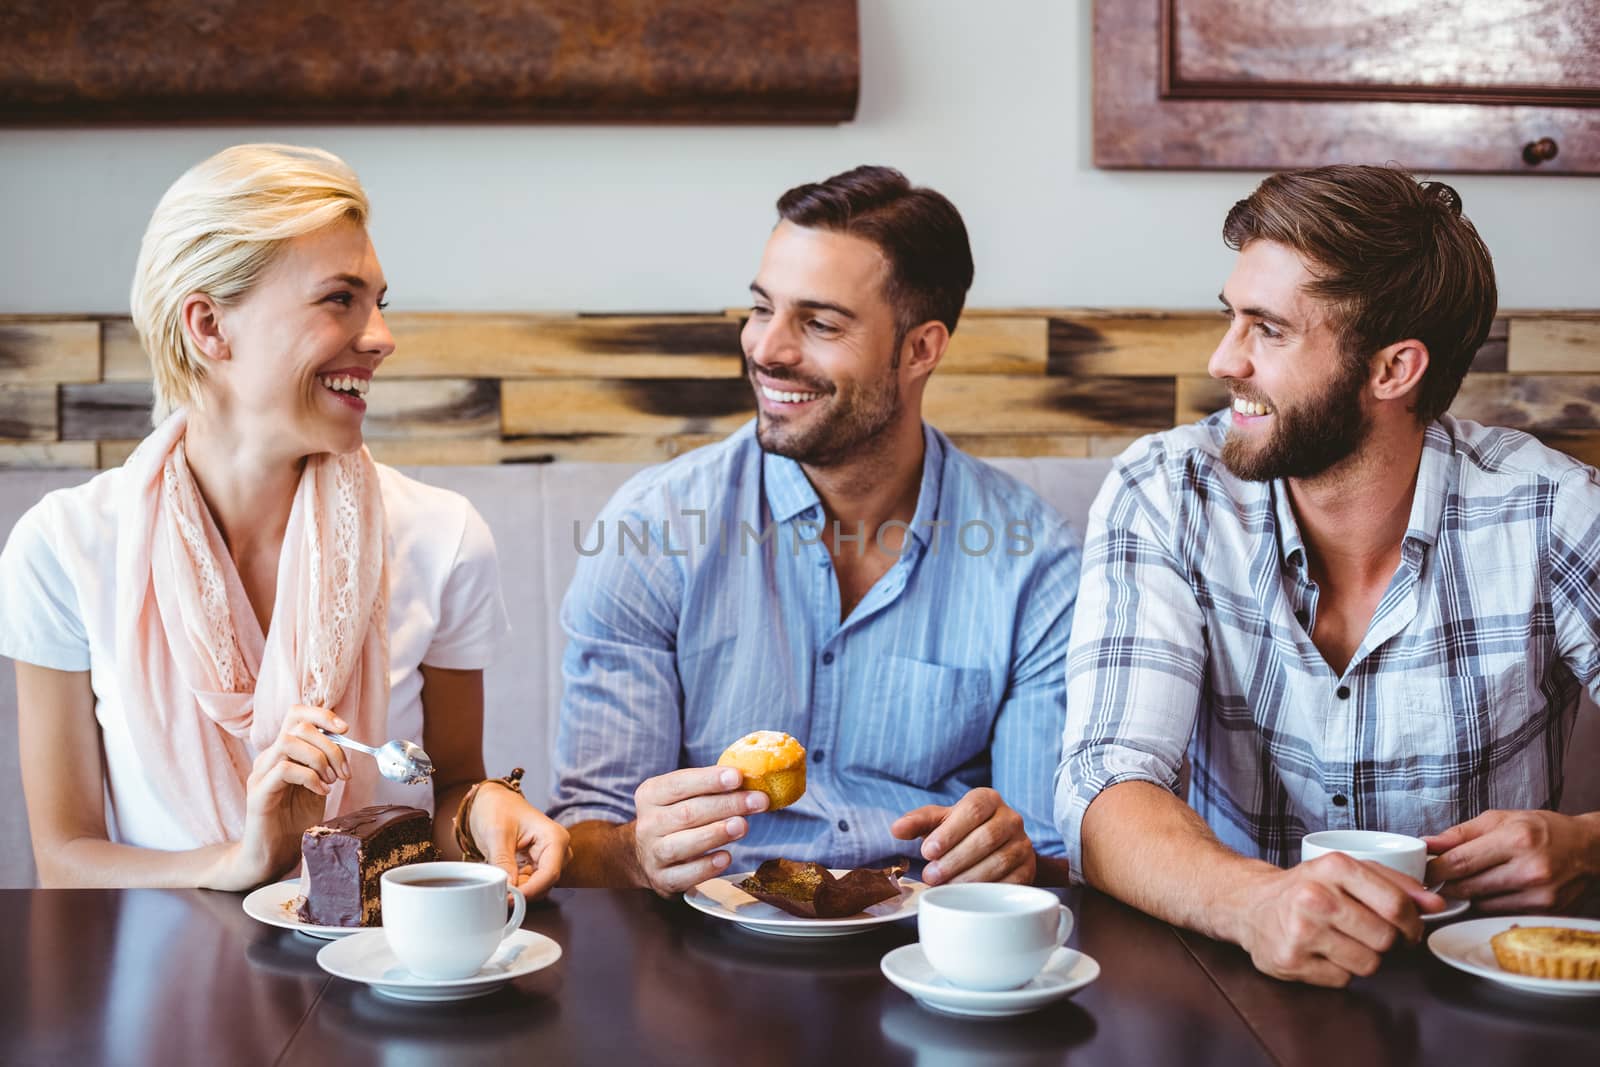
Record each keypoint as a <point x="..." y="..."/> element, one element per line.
<point x="303" y="344"/>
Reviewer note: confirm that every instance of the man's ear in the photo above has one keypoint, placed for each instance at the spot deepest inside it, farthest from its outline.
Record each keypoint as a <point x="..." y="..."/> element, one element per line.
<point x="924" y="346"/>
<point x="1397" y="370"/>
<point x="202" y="321"/>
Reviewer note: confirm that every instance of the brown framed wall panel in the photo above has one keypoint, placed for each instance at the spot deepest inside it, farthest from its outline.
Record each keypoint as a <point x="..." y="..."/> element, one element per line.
<point x="1452" y="51"/>
<point x="108" y="61"/>
<point x="1275" y="84"/>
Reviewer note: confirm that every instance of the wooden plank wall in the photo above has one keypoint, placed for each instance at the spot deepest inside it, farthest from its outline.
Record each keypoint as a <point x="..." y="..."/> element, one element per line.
<point x="473" y="388"/>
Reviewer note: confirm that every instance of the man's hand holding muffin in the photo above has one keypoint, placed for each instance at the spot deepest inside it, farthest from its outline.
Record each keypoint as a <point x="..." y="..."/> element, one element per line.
<point x="686" y="818"/>
<point x="683" y="819"/>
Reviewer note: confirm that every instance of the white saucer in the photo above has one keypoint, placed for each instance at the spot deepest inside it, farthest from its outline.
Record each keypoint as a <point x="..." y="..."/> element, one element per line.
<point x="721" y="898"/>
<point x="1066" y="972"/>
<point x="278" y="905"/>
<point x="1465" y="946"/>
<point x="1452" y="908"/>
<point x="367" y="958"/>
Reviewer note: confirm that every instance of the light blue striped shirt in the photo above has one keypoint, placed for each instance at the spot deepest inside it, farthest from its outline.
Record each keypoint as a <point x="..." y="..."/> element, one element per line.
<point x="706" y="607"/>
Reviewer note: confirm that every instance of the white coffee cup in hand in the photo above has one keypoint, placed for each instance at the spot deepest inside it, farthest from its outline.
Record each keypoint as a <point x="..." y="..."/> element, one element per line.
<point x="444" y="920"/>
<point x="990" y="936"/>
<point x="1408" y="855"/>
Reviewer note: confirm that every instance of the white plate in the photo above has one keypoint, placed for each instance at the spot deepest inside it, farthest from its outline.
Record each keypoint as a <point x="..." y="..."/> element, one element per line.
<point x="367" y="958"/>
<point x="278" y="904"/>
<point x="721" y="898"/>
<point x="1452" y="908"/>
<point x="1465" y="946"/>
<point x="1065" y="972"/>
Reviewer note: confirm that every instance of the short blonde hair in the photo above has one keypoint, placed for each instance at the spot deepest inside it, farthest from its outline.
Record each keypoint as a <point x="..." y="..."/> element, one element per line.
<point x="215" y="231"/>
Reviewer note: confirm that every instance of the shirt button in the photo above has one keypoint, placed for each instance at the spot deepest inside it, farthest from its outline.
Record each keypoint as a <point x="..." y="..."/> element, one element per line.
<point x="844" y="826"/>
<point x="1340" y="800"/>
<point x="1343" y="692"/>
<point x="827" y="658"/>
<point x="818" y="756"/>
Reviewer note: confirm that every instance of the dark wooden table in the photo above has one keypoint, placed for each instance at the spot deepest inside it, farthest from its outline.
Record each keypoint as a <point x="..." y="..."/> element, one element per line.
<point x="1415" y="1010"/>
<point x="180" y="977"/>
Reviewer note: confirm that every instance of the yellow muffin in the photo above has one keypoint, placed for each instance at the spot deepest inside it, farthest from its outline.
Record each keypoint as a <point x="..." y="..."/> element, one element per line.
<point x="771" y="762"/>
<point x="1548" y="952"/>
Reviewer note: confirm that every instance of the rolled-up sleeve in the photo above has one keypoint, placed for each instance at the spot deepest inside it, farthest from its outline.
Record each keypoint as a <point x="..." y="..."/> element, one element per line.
<point x="1572" y="561"/>
<point x="622" y="700"/>
<point x="1136" y="659"/>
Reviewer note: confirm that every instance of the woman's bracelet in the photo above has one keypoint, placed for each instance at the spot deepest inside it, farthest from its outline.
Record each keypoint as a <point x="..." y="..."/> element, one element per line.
<point x="463" y="824"/>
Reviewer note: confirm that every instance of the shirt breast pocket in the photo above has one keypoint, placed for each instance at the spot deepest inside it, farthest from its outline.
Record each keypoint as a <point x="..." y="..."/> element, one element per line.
<point x="920" y="721"/>
<point x="1449" y="746"/>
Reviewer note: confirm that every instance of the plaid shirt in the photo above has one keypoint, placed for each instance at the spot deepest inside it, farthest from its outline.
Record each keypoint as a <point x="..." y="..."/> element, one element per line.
<point x="1193" y="632"/>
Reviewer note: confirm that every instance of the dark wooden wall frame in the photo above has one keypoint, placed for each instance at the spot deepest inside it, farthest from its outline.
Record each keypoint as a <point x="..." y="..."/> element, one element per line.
<point x="92" y="62"/>
<point x="1148" y="114"/>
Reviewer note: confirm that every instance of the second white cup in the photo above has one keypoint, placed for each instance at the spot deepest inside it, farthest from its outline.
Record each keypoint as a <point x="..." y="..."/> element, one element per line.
<point x="1408" y="855"/>
<point x="444" y="920"/>
<point x="989" y="936"/>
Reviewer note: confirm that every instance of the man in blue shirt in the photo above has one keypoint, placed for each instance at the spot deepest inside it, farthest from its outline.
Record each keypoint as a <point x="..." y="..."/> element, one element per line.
<point x="836" y="570"/>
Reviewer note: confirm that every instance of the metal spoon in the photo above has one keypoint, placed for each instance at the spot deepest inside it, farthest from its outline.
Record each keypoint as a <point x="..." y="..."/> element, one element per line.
<point x="398" y="761"/>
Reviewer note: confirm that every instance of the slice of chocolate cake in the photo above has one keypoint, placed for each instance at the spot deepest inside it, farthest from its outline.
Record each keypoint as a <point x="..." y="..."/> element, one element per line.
<point x="346" y="856"/>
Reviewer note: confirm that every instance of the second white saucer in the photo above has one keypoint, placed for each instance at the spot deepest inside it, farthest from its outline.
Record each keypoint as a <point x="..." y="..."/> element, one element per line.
<point x="1066" y="972"/>
<point x="1452" y="908"/>
<point x="367" y="958"/>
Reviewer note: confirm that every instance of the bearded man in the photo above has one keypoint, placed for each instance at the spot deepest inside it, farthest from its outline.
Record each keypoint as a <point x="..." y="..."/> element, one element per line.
<point x="836" y="570"/>
<point x="1350" y="609"/>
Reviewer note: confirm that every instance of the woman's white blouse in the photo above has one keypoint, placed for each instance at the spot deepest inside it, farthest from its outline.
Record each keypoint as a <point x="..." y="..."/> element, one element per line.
<point x="57" y="610"/>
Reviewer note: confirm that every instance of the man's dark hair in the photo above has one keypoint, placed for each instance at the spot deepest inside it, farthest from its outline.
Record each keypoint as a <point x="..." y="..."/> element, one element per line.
<point x="1394" y="257"/>
<point x="918" y="230"/>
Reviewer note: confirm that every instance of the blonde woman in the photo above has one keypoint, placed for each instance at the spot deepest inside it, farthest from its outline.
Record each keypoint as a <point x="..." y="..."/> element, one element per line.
<point x="186" y="625"/>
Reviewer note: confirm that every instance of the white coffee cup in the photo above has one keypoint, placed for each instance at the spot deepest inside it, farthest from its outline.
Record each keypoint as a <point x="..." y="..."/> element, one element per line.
<point x="990" y="936"/>
<point x="1408" y="855"/>
<point x="444" y="920"/>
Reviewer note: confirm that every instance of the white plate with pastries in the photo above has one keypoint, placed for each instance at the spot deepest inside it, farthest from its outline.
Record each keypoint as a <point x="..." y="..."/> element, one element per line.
<point x="1465" y="946"/>
<point x="721" y="898"/>
<point x="279" y="905"/>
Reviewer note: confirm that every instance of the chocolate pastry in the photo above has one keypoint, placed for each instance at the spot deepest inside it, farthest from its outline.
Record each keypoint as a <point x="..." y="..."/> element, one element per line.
<point x="346" y="856"/>
<point x="811" y="891"/>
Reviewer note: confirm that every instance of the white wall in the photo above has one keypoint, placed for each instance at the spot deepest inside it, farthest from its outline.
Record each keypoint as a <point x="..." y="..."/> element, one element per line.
<point x="986" y="101"/>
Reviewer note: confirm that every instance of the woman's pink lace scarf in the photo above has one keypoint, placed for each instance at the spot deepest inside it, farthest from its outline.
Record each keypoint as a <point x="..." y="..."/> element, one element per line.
<point x="204" y="689"/>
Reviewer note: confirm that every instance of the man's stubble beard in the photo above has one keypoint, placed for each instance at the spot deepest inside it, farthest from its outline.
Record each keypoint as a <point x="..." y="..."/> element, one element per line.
<point x="843" y="434"/>
<point x="1308" y="439"/>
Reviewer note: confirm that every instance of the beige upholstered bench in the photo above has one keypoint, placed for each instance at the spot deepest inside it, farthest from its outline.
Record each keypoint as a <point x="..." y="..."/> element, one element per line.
<point x="532" y="510"/>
